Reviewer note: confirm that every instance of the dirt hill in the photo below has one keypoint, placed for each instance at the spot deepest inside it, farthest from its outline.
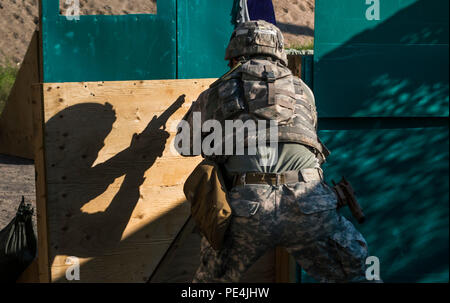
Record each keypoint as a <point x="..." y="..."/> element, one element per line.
<point x="296" y="19"/>
<point x="18" y="19"/>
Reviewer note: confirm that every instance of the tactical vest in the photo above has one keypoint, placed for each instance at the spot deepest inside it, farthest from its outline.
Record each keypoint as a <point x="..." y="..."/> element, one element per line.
<point x="261" y="89"/>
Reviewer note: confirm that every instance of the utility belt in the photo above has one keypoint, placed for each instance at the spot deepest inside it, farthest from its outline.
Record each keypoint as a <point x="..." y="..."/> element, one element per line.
<point x="344" y="190"/>
<point x="293" y="176"/>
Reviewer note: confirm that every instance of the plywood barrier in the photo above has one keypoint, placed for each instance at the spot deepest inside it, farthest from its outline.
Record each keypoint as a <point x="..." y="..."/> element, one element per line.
<point x="181" y="262"/>
<point x="31" y="274"/>
<point x="113" y="201"/>
<point x="109" y="197"/>
<point x="16" y="123"/>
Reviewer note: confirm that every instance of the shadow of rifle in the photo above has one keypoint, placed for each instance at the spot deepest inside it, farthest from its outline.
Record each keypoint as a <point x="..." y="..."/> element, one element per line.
<point x="157" y="126"/>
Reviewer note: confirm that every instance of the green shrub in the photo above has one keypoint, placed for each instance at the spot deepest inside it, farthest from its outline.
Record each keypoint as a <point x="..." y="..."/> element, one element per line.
<point x="7" y="77"/>
<point x="304" y="46"/>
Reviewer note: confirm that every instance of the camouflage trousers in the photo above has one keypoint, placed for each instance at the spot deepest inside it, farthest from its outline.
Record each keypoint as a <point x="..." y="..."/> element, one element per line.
<point x="301" y="217"/>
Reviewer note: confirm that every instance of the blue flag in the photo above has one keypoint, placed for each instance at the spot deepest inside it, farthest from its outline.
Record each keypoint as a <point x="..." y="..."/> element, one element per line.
<point x="261" y="10"/>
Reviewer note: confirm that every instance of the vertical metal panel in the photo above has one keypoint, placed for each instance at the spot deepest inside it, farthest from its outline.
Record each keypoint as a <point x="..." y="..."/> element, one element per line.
<point x="396" y="66"/>
<point x="109" y="48"/>
<point x="204" y="29"/>
<point x="308" y="70"/>
<point x="401" y="179"/>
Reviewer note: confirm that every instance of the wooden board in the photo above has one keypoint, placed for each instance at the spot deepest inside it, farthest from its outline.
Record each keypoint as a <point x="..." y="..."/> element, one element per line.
<point x="183" y="258"/>
<point x="16" y="124"/>
<point x="285" y="266"/>
<point x="31" y="274"/>
<point x="295" y="64"/>
<point x="41" y="187"/>
<point x="115" y="206"/>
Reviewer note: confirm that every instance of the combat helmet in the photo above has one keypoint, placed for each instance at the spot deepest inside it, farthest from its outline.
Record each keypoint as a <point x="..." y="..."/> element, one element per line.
<point x="256" y="38"/>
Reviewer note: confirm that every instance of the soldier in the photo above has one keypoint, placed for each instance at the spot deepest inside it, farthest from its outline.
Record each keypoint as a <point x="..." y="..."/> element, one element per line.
<point x="286" y="203"/>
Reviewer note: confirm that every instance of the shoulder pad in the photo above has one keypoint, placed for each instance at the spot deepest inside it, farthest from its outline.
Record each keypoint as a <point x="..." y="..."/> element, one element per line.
<point x="259" y="67"/>
<point x="227" y="76"/>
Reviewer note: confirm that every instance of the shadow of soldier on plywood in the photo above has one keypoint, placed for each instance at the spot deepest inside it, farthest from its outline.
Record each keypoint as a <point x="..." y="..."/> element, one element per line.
<point x="89" y="205"/>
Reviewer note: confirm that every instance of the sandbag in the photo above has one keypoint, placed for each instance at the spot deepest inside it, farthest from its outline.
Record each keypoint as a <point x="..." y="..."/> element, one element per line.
<point x="17" y="244"/>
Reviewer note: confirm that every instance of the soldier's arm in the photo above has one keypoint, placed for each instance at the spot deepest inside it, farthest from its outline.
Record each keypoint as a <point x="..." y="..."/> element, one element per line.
<point x="189" y="128"/>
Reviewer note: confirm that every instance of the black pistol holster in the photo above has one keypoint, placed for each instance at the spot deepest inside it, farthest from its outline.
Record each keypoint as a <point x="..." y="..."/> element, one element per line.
<point x="346" y="196"/>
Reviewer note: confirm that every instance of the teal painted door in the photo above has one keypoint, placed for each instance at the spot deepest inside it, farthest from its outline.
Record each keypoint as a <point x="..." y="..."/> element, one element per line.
<point x="204" y="29"/>
<point x="396" y="66"/>
<point x="381" y="87"/>
<point x="401" y="179"/>
<point x="109" y="48"/>
<point x="185" y="39"/>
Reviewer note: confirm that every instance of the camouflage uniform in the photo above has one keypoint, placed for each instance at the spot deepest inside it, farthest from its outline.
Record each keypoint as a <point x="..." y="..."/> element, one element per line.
<point x="300" y="215"/>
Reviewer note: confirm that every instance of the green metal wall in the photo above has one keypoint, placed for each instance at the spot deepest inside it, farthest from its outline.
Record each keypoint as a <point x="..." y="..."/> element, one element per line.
<point x="402" y="184"/>
<point x="107" y="48"/>
<point x="204" y="29"/>
<point x="185" y="39"/>
<point x="397" y="66"/>
<point x="381" y="88"/>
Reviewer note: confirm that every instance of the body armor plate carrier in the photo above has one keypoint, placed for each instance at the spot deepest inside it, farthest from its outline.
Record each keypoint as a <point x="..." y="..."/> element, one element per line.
<point x="264" y="89"/>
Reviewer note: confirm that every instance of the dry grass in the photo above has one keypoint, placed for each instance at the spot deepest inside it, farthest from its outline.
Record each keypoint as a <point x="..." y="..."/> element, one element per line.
<point x="309" y="45"/>
<point x="7" y="77"/>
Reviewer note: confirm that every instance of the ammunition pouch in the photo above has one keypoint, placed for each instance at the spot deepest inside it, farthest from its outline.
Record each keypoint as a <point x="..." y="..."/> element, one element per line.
<point x="346" y="197"/>
<point x="206" y="191"/>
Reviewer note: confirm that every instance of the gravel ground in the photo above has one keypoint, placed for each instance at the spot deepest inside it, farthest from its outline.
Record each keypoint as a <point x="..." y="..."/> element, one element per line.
<point x="16" y="180"/>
